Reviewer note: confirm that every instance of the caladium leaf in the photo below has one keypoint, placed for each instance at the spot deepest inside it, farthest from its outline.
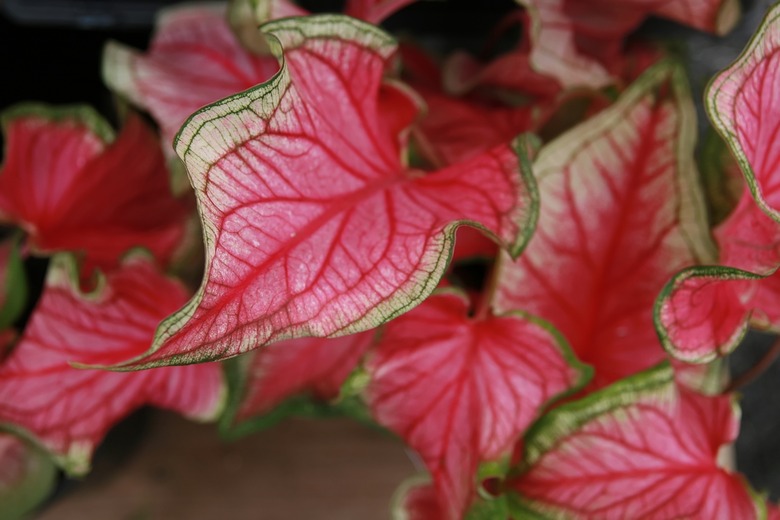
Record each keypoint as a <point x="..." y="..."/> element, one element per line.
<point x="27" y="477"/>
<point x="194" y="59"/>
<point x="416" y="500"/>
<point x="579" y="41"/>
<point x="461" y="390"/>
<point x="639" y="449"/>
<point x="743" y="108"/>
<point x="313" y="225"/>
<point x="317" y="366"/>
<point x="70" y="187"/>
<point x="68" y="410"/>
<point x="621" y="213"/>
<point x="454" y="130"/>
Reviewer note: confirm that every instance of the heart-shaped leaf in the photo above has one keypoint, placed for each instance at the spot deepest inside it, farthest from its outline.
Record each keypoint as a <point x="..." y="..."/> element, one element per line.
<point x="621" y="213"/>
<point x="742" y="105"/>
<point x="313" y="225"/>
<point x="69" y="410"/>
<point x="371" y="11"/>
<point x="194" y="59"/>
<point x="461" y="390"/>
<point x="70" y="187"/>
<point x="641" y="448"/>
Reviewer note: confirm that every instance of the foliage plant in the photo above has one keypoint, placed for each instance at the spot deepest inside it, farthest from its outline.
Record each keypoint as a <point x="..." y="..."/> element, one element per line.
<point x="510" y="261"/>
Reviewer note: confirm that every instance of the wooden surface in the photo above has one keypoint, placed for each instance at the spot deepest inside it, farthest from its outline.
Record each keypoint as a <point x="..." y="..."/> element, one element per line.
<point x="313" y="470"/>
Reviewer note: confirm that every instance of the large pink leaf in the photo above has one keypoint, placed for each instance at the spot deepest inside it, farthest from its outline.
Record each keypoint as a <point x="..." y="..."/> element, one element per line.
<point x="639" y="449"/>
<point x="27" y="476"/>
<point x="318" y="366"/>
<point x="69" y="410"/>
<point x="313" y="225"/>
<point x="742" y="103"/>
<point x="461" y="390"/>
<point x="620" y="214"/>
<point x="580" y="41"/>
<point x="72" y="190"/>
<point x="194" y="59"/>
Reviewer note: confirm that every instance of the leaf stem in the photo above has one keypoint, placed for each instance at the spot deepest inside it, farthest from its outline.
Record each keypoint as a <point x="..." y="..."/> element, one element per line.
<point x="750" y="374"/>
<point x="485" y="305"/>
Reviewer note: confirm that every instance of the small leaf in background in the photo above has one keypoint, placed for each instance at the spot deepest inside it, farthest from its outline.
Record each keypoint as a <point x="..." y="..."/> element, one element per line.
<point x="461" y="390"/>
<point x="69" y="410"/>
<point x="313" y="224"/>
<point x="27" y="477"/>
<point x="72" y="188"/>
<point x="318" y="367"/>
<point x="580" y="42"/>
<point x="194" y="59"/>
<point x="641" y="448"/>
<point x="742" y="107"/>
<point x="621" y="212"/>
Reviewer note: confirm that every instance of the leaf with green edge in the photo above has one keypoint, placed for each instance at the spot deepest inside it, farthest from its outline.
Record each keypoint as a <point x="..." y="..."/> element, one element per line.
<point x="741" y="102"/>
<point x="313" y="225"/>
<point x="641" y="448"/>
<point x="580" y="42"/>
<point x="68" y="410"/>
<point x="267" y="378"/>
<point x="416" y="499"/>
<point x="193" y="59"/>
<point x="69" y="185"/>
<point x="621" y="212"/>
<point x="27" y="477"/>
<point x="461" y="390"/>
<point x="13" y="288"/>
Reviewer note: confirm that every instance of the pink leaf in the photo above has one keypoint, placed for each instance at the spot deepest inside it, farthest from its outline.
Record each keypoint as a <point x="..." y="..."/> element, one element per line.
<point x="313" y="225"/>
<point x="455" y="130"/>
<point x="638" y="449"/>
<point x="69" y="410"/>
<point x="72" y="191"/>
<point x="742" y="104"/>
<point x="579" y="41"/>
<point x="194" y="59"/>
<point x="620" y="215"/>
<point x="315" y="365"/>
<point x="460" y="390"/>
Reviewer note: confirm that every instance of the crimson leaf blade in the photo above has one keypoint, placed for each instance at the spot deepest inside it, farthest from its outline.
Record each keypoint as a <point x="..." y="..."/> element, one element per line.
<point x="68" y="410"/>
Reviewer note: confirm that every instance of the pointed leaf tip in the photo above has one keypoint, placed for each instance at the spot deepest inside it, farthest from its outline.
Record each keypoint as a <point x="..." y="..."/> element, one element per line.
<point x="313" y="225"/>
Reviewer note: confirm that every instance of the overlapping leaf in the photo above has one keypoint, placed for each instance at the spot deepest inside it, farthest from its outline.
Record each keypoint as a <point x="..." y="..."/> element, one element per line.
<point x="579" y="41"/>
<point x="194" y="59"/>
<point x="68" y="410"/>
<point x="639" y="449"/>
<point x="70" y="187"/>
<point x="313" y="225"/>
<point x="621" y="213"/>
<point x="461" y="390"/>
<point x="742" y="103"/>
<point x="314" y="366"/>
<point x="704" y="312"/>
